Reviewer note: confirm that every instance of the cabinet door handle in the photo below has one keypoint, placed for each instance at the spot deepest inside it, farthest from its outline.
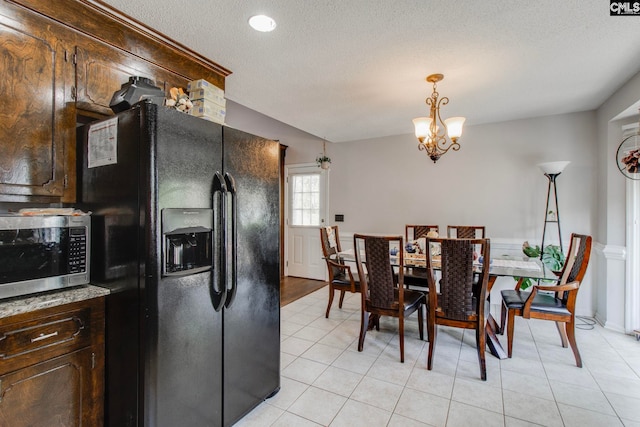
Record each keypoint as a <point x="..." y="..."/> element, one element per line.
<point x="44" y="337"/>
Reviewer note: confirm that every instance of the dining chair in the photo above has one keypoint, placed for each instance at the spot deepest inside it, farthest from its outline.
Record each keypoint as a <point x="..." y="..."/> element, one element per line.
<point x="466" y="231"/>
<point x="558" y="306"/>
<point x="461" y="301"/>
<point x="382" y="295"/>
<point x="341" y="278"/>
<point x="414" y="232"/>
<point x="413" y="276"/>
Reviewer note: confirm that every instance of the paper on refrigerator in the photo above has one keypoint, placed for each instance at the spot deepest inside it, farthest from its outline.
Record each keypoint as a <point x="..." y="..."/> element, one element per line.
<point x="102" y="143"/>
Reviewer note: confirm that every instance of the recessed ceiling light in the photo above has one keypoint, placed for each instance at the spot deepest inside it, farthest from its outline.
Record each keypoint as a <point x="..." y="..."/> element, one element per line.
<point x="262" y="23"/>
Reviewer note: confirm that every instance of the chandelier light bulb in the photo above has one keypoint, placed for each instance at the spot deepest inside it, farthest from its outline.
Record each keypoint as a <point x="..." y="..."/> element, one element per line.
<point x="454" y="126"/>
<point x="422" y="125"/>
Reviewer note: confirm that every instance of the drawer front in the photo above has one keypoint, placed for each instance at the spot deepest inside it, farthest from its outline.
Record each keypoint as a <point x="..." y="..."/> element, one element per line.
<point x="44" y="337"/>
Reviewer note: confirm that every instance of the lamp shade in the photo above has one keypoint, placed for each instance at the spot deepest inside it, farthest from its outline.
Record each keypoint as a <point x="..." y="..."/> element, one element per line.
<point x="553" y="168"/>
<point x="422" y="125"/>
<point x="454" y="126"/>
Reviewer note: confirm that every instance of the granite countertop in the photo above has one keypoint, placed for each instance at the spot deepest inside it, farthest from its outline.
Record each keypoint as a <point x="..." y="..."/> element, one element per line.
<point x="34" y="302"/>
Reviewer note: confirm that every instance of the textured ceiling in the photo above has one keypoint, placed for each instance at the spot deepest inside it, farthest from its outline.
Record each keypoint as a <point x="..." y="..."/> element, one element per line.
<point x="354" y="69"/>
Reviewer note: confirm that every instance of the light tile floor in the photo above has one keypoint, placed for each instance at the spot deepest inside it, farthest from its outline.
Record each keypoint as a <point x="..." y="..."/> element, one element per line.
<point x="327" y="382"/>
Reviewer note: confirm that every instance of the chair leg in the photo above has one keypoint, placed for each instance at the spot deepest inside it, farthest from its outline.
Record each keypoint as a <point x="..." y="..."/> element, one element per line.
<point x="421" y="322"/>
<point x="433" y="331"/>
<point x="364" y="323"/>
<point x="510" y="324"/>
<point x="571" y="335"/>
<point x="563" y="334"/>
<point x="427" y="319"/>
<point x="341" y="299"/>
<point x="330" y="301"/>
<point x="401" y="335"/>
<point x="481" y="343"/>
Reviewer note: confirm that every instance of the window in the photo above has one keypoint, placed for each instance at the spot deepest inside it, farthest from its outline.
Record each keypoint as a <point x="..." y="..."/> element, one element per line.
<point x="305" y="199"/>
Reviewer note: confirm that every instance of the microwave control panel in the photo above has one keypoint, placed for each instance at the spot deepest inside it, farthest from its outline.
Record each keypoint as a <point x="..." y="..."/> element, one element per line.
<point x="77" y="250"/>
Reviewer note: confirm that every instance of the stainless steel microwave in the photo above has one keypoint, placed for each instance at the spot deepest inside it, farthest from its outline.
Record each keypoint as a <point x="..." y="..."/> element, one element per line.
<point x="42" y="253"/>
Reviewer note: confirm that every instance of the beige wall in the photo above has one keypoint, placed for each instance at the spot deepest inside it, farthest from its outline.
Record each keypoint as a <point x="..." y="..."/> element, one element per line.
<point x="610" y="255"/>
<point x="303" y="147"/>
<point x="381" y="184"/>
<point x="493" y="180"/>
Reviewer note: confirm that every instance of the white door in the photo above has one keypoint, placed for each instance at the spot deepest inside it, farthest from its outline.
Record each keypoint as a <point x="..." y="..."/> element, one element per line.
<point x="306" y="211"/>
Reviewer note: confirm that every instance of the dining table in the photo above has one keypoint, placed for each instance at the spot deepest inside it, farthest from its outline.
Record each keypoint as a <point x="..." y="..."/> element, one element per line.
<point x="517" y="267"/>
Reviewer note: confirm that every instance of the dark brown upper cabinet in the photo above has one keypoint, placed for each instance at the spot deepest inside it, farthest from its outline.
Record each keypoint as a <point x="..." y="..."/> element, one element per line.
<point x="37" y="78"/>
<point x="101" y="70"/>
<point x="62" y="62"/>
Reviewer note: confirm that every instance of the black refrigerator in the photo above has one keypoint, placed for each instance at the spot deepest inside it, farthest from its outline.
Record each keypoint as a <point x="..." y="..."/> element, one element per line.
<point x="185" y="216"/>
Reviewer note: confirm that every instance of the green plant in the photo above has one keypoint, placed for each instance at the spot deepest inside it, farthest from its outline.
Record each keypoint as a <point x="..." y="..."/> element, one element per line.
<point x="552" y="258"/>
<point x="531" y="251"/>
<point x="323" y="160"/>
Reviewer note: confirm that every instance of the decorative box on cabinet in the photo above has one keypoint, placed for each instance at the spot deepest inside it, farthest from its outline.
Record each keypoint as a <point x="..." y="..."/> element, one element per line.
<point x="52" y="366"/>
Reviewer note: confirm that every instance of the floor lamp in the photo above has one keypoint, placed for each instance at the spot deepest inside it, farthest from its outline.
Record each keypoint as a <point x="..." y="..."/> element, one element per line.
<point x="551" y="170"/>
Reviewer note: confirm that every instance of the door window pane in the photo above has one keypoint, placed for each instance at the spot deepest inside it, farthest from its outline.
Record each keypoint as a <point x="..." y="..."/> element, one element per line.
<point x="305" y="199"/>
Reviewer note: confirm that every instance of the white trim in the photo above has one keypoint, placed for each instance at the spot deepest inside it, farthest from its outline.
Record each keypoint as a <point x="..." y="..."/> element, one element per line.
<point x="611" y="252"/>
<point x="632" y="264"/>
<point x="610" y="326"/>
<point x="632" y="268"/>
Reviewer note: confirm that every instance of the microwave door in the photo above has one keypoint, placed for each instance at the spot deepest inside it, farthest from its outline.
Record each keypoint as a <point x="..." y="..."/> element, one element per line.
<point x="43" y="253"/>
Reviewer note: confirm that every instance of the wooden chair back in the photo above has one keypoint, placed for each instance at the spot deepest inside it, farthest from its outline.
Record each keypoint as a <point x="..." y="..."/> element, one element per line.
<point x="378" y="282"/>
<point x="466" y="231"/>
<point x="462" y="295"/>
<point x="383" y="292"/>
<point x="575" y="266"/>
<point x="577" y="258"/>
<point x="415" y="231"/>
<point x="330" y="239"/>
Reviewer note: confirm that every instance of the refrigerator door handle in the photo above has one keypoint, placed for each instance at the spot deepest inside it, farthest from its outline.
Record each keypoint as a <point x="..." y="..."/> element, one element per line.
<point x="218" y="289"/>
<point x="231" y="291"/>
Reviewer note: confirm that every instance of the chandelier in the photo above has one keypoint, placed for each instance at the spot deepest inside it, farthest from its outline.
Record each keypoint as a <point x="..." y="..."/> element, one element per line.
<point x="432" y="131"/>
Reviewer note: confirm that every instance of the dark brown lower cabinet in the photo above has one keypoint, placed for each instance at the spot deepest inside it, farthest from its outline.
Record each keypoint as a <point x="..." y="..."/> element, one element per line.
<point x="48" y="393"/>
<point x="52" y="366"/>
